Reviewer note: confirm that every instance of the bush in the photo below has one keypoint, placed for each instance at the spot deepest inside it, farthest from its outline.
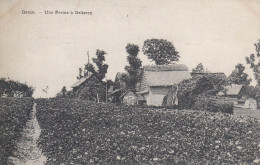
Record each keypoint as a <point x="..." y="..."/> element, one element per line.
<point x="190" y="90"/>
<point x="214" y="105"/>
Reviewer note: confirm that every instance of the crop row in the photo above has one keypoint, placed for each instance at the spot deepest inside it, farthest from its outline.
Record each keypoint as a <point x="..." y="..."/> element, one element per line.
<point x="77" y="132"/>
<point x="14" y="113"/>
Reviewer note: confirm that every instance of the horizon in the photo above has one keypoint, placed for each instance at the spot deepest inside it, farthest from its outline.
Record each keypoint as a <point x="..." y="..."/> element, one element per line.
<point x="47" y="49"/>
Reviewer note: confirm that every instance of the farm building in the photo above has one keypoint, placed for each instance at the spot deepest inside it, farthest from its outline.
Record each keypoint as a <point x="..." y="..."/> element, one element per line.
<point x="250" y="104"/>
<point x="120" y="87"/>
<point x="233" y="91"/>
<point x="217" y="74"/>
<point x="159" y="80"/>
<point x="89" y="88"/>
<point x="130" y="97"/>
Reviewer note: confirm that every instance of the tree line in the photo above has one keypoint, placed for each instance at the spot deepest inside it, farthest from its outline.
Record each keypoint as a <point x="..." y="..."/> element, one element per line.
<point x="11" y="88"/>
<point x="163" y="52"/>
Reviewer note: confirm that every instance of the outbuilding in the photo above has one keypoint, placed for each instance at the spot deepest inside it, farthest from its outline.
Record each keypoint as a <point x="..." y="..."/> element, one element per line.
<point x="130" y="97"/>
<point x="250" y="104"/>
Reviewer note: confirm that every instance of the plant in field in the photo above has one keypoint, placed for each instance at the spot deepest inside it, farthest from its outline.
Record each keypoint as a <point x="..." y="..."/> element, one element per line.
<point x="80" y="132"/>
<point x="14" y="113"/>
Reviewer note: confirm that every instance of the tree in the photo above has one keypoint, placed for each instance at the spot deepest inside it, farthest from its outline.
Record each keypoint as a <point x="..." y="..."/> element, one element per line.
<point x="254" y="61"/>
<point x="12" y="88"/>
<point x="134" y="64"/>
<point x="64" y="91"/>
<point x="199" y="69"/>
<point x="101" y="70"/>
<point x="80" y="74"/>
<point x="238" y="76"/>
<point x="161" y="51"/>
<point x="192" y="89"/>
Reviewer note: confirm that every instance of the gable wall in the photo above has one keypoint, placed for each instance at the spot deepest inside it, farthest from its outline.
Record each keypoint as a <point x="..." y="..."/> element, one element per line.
<point x="156" y="95"/>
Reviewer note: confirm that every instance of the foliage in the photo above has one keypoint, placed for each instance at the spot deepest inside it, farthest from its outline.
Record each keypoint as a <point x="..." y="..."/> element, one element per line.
<point x="200" y="69"/>
<point x="189" y="90"/>
<point x="249" y="92"/>
<point x="12" y="88"/>
<point x="64" y="91"/>
<point x="109" y="83"/>
<point x="135" y="63"/>
<point x="101" y="71"/>
<point x="14" y="113"/>
<point x="214" y="105"/>
<point x="254" y="63"/>
<point x="80" y="132"/>
<point x="160" y="51"/>
<point x="93" y="90"/>
<point x="80" y="74"/>
<point x="238" y="76"/>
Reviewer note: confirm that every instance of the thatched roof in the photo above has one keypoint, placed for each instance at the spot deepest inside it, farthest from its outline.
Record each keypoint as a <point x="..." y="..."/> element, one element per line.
<point x="218" y="74"/>
<point x="166" y="78"/>
<point x="159" y="68"/>
<point x="164" y="75"/>
<point x="232" y="90"/>
<point x="83" y="79"/>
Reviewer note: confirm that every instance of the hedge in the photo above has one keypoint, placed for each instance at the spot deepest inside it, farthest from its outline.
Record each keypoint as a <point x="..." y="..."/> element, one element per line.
<point x="214" y="105"/>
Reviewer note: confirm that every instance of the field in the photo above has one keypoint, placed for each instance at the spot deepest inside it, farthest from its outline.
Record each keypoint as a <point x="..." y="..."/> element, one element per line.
<point x="14" y="112"/>
<point x="77" y="132"/>
<point x="246" y="112"/>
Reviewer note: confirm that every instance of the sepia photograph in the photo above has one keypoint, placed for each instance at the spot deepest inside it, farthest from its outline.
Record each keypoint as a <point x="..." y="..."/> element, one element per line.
<point x="129" y="82"/>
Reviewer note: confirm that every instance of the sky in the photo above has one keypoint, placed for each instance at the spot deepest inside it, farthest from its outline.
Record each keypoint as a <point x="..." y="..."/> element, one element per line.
<point x="47" y="49"/>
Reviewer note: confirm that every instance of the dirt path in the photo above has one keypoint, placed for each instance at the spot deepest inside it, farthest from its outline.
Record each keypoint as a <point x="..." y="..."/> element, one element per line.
<point x="27" y="151"/>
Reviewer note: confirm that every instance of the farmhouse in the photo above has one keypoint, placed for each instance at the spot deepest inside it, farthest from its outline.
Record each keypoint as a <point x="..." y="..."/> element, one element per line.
<point x="159" y="80"/>
<point x="120" y="87"/>
<point x="130" y="97"/>
<point x="87" y="85"/>
<point x="233" y="91"/>
<point x="250" y="104"/>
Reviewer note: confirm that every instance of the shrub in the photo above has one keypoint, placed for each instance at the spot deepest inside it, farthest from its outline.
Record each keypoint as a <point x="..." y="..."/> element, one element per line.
<point x="190" y="90"/>
<point x="214" y="105"/>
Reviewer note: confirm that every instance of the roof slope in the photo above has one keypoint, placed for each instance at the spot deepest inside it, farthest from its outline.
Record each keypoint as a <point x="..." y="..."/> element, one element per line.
<point x="233" y="89"/>
<point x="166" y="78"/>
<point x="173" y="67"/>
<point x="164" y="75"/>
<point x="83" y="79"/>
<point x="218" y="74"/>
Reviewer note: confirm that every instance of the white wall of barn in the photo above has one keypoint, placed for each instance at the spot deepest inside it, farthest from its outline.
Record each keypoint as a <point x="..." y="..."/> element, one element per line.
<point x="156" y="95"/>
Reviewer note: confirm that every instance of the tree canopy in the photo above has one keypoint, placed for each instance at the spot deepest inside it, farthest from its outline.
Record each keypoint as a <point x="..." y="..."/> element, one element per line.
<point x="12" y="88"/>
<point x="254" y="61"/>
<point x="160" y="51"/>
<point x="134" y="64"/>
<point x="200" y="69"/>
<point x="238" y="76"/>
<point x="101" y="70"/>
<point x="190" y="90"/>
